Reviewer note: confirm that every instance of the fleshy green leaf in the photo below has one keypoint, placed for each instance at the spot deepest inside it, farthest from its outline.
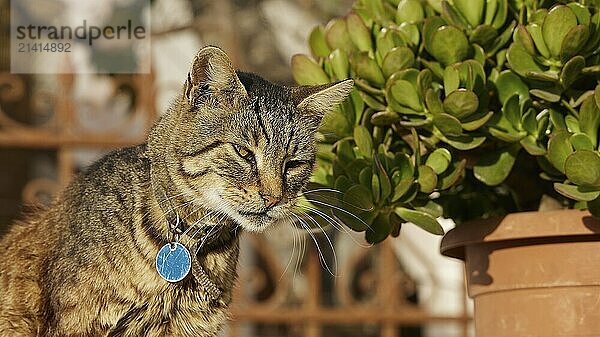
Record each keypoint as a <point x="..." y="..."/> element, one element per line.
<point x="365" y="67"/>
<point x="336" y="35"/>
<point x="447" y="124"/>
<point x="439" y="160"/>
<point x="359" y="33"/>
<point x="363" y="140"/>
<point x="379" y="229"/>
<point x="583" y="168"/>
<point x="493" y="167"/>
<point x="557" y="24"/>
<point x="508" y="84"/>
<point x="307" y="71"/>
<point x="316" y="40"/>
<point x="397" y="59"/>
<point x="559" y="148"/>
<point x="427" y="179"/>
<point x="579" y="193"/>
<point x="409" y="11"/>
<point x="421" y="219"/>
<point x="461" y="103"/>
<point x="449" y="45"/>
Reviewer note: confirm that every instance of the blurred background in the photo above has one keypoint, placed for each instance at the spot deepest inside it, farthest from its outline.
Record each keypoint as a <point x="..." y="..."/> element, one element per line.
<point x="291" y="283"/>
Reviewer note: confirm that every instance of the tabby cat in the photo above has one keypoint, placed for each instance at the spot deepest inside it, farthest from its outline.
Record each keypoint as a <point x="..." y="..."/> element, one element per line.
<point x="230" y="155"/>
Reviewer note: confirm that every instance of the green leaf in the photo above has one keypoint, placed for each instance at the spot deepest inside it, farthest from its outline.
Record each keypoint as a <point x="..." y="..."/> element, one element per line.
<point x="375" y="188"/>
<point x="450" y="178"/>
<point x="535" y="30"/>
<point x="365" y="67"/>
<point x="464" y="142"/>
<point x="342" y="183"/>
<point x="424" y="81"/>
<point x="359" y="197"/>
<point x="493" y="167"/>
<point x="520" y="61"/>
<point x="449" y="45"/>
<point x="579" y="193"/>
<point x="461" y="103"/>
<point x="307" y="71"/>
<point x="409" y="11"/>
<point x="451" y="80"/>
<point x="571" y="71"/>
<point x="344" y="152"/>
<point x="558" y="22"/>
<point x="363" y="140"/>
<point x="402" y="187"/>
<point x="371" y="101"/>
<point x="430" y="208"/>
<point x="410" y="32"/>
<point x="531" y="146"/>
<point x="421" y="219"/>
<point x="365" y="177"/>
<point x="471" y="10"/>
<point x="383" y="118"/>
<point x="386" y="185"/>
<point x="483" y="35"/>
<point x="501" y="12"/>
<point x="406" y="94"/>
<point x="433" y="102"/>
<point x="397" y="59"/>
<point x="490" y="11"/>
<point x="358" y="32"/>
<point x="589" y="118"/>
<point x="427" y="179"/>
<point x="439" y="160"/>
<point x="547" y="95"/>
<point x="508" y="84"/>
<point x="582" y="13"/>
<point x="379" y="229"/>
<point x="574" y="41"/>
<point x="583" y="168"/>
<point x="559" y="148"/>
<point x="317" y="43"/>
<point x="523" y="37"/>
<point x="340" y="64"/>
<point x="447" y="124"/>
<point x="580" y="141"/>
<point x="474" y="122"/>
<point x="336" y="35"/>
<point x="452" y="17"/>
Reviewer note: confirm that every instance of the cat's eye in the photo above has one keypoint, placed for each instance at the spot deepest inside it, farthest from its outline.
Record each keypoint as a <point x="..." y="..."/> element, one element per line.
<point x="244" y="152"/>
<point x="292" y="164"/>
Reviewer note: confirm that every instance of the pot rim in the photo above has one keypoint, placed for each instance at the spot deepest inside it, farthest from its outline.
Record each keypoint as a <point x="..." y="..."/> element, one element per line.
<point x="540" y="224"/>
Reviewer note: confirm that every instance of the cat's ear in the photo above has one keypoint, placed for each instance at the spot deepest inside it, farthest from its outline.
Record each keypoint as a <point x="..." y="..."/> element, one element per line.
<point x="212" y="72"/>
<point x="318" y="100"/>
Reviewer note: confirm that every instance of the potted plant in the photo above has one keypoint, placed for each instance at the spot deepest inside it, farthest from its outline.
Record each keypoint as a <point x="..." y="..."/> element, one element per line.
<point x="473" y="109"/>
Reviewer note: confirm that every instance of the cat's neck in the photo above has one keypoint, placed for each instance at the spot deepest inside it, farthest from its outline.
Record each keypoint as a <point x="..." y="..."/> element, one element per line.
<point x="215" y="240"/>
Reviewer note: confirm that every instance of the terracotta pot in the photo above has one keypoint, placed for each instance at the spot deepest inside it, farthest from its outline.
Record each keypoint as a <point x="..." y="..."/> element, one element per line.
<point x="532" y="274"/>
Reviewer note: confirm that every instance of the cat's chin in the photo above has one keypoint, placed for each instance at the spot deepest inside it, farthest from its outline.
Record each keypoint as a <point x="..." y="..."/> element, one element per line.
<point x="255" y="222"/>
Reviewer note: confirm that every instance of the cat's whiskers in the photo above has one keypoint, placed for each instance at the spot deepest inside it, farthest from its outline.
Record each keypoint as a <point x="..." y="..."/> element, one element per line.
<point x="289" y="218"/>
<point x="335" y="260"/>
<point x="341" y="210"/>
<point x="337" y="224"/>
<point x="320" y="252"/>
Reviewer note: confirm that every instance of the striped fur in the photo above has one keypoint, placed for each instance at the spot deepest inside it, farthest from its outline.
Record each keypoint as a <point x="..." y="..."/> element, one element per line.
<point x="232" y="146"/>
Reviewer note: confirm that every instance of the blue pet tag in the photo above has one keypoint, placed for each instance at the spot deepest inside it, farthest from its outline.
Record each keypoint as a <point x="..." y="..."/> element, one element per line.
<point x="173" y="262"/>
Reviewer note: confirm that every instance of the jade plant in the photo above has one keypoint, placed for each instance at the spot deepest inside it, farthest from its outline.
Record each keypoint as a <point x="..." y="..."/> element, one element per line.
<point x="462" y="108"/>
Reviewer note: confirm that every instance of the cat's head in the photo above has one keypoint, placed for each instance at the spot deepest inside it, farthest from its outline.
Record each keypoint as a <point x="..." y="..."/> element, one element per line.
<point x="243" y="147"/>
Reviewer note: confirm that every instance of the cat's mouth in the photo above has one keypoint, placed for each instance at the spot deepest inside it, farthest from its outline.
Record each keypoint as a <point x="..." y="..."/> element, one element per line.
<point x="255" y="213"/>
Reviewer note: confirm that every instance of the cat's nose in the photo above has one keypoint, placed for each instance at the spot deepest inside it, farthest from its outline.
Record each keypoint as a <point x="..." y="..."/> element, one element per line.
<point x="270" y="200"/>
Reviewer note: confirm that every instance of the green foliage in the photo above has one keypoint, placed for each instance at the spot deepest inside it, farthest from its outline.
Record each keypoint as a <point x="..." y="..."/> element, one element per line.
<point x="462" y="108"/>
